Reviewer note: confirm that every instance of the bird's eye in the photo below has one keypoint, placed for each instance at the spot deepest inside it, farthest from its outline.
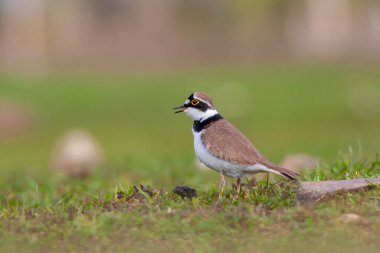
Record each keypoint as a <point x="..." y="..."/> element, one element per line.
<point x="194" y="102"/>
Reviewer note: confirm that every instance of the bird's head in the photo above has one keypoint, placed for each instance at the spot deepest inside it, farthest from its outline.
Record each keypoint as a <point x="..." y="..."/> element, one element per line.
<point x="198" y="106"/>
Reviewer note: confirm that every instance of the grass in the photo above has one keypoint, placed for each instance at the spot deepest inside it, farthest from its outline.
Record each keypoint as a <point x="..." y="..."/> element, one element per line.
<point x="283" y="109"/>
<point x="74" y="215"/>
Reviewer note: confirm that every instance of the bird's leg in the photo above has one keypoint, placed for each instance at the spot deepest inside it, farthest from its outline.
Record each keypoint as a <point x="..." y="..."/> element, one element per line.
<point x="222" y="184"/>
<point x="238" y="186"/>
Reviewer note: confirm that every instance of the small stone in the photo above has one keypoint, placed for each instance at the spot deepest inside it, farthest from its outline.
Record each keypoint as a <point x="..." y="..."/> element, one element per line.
<point x="120" y="195"/>
<point x="185" y="192"/>
<point x="313" y="192"/>
<point x="77" y="154"/>
<point x="349" y="218"/>
<point x="299" y="162"/>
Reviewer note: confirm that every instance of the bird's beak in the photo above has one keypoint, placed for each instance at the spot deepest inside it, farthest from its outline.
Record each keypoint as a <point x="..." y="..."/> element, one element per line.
<point x="181" y="108"/>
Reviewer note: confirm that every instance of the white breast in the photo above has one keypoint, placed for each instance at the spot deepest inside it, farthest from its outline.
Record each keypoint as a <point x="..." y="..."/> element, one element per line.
<point x="221" y="166"/>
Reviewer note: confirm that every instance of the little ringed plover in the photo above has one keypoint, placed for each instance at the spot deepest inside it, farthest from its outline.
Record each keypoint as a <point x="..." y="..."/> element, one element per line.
<point x="222" y="147"/>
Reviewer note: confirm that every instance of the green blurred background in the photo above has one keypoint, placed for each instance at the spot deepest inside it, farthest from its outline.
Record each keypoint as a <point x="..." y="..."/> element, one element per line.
<point x="317" y="110"/>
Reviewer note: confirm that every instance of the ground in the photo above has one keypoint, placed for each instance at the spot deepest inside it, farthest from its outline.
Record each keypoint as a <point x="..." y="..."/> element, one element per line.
<point x="282" y="109"/>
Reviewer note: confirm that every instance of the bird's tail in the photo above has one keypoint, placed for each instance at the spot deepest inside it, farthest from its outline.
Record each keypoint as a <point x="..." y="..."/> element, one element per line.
<point x="285" y="173"/>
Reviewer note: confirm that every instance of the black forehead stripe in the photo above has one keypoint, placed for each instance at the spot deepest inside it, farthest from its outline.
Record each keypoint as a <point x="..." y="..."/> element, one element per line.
<point x="191" y="97"/>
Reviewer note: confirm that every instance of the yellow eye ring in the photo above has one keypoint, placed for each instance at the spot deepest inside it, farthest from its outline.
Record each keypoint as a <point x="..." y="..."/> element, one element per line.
<point x="194" y="102"/>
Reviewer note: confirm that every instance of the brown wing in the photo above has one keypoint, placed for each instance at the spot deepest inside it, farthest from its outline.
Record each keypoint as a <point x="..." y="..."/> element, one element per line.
<point x="226" y="142"/>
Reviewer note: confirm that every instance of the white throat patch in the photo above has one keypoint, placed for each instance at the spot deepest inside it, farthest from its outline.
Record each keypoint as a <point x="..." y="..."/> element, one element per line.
<point x="198" y="115"/>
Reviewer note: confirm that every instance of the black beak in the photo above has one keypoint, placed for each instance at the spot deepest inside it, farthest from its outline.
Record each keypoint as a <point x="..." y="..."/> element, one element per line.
<point x="180" y="108"/>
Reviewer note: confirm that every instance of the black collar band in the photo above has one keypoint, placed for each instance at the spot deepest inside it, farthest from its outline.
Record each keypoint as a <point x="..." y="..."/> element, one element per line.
<point x="200" y="125"/>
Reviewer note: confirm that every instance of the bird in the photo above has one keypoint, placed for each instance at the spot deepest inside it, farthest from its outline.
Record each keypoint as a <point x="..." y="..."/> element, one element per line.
<point x="222" y="147"/>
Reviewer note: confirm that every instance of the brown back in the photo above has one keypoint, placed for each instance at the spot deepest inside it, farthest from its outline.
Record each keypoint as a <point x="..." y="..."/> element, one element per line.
<point x="226" y="142"/>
